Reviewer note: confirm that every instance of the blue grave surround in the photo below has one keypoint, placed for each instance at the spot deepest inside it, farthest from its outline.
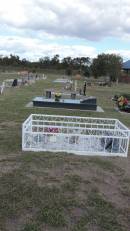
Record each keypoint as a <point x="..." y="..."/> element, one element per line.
<point x="89" y="103"/>
<point x="126" y="108"/>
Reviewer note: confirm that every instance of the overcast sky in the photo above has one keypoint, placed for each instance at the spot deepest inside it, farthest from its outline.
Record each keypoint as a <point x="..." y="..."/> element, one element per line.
<point x="38" y="28"/>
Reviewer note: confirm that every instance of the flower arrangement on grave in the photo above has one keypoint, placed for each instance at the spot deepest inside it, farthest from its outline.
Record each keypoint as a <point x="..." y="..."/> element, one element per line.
<point x="57" y="97"/>
<point x="122" y="102"/>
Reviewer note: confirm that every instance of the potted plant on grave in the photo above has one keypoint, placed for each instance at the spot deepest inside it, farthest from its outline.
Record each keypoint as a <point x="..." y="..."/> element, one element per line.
<point x="57" y="97"/>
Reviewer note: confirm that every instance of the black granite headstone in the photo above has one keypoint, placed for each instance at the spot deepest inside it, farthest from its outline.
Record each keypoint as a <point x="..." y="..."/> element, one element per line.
<point x="15" y="83"/>
<point x="48" y="94"/>
<point x="73" y="95"/>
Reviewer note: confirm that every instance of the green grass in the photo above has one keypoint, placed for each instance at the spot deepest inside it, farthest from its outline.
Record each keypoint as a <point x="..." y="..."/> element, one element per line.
<point x="56" y="191"/>
<point x="106" y="165"/>
<point x="52" y="204"/>
<point x="100" y="213"/>
<point x="30" y="227"/>
<point x="102" y="163"/>
<point x="53" y="216"/>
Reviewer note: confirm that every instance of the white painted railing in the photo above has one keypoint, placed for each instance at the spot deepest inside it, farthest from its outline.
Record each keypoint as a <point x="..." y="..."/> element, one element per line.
<point x="72" y="134"/>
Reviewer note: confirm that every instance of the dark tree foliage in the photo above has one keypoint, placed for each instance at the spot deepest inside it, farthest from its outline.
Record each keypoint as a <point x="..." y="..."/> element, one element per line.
<point x="107" y="65"/>
<point x="103" y="65"/>
<point x="68" y="71"/>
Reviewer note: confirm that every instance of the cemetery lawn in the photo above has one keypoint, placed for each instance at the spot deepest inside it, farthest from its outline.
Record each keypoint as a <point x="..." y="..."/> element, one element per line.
<point x="59" y="191"/>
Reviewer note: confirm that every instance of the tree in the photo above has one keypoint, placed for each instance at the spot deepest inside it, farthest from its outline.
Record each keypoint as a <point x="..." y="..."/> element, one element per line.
<point x="107" y="65"/>
<point x="67" y="62"/>
<point x="55" y="60"/>
<point x="44" y="62"/>
<point x="14" y="60"/>
<point x="24" y="62"/>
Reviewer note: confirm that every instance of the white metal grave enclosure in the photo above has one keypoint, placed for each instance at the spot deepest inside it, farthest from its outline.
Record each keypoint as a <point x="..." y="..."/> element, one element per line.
<point x="79" y="135"/>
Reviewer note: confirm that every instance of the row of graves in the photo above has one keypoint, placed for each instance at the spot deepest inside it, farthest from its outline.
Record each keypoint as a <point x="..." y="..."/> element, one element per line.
<point x="73" y="134"/>
<point x="102" y="81"/>
<point x="73" y="82"/>
<point x="24" y="78"/>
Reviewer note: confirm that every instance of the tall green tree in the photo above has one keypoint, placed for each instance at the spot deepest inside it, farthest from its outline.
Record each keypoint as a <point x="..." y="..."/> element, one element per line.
<point x="55" y="61"/>
<point x="107" y="65"/>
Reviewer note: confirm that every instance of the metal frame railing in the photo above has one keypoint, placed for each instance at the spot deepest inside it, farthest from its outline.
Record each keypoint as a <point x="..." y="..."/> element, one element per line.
<point x="80" y="135"/>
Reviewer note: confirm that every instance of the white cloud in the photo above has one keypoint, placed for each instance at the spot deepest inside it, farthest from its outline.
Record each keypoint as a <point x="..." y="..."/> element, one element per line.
<point x="35" y="48"/>
<point x="87" y="19"/>
<point x="123" y="53"/>
<point x="41" y="22"/>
